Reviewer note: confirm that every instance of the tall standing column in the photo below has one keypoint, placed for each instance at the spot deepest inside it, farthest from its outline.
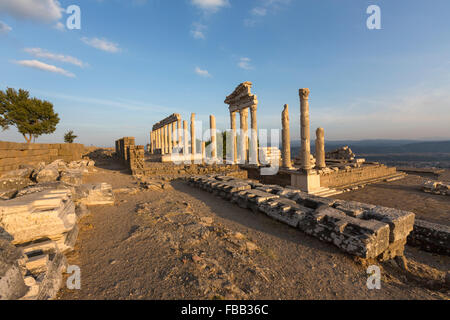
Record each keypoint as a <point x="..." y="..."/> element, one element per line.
<point x="166" y="140"/>
<point x="305" y="155"/>
<point x="243" y="134"/>
<point x="320" y="148"/>
<point x="159" y="139"/>
<point x="163" y="145"/>
<point x="169" y="138"/>
<point x="193" y="139"/>
<point x="286" y="156"/>
<point x="185" y="138"/>
<point x="212" y="125"/>
<point x="203" y="150"/>
<point x="179" y="133"/>
<point x="233" y="137"/>
<point x="254" y="137"/>
<point x="153" y="142"/>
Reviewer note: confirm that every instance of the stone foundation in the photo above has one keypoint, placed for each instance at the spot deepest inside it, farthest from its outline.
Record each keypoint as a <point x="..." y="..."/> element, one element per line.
<point x="362" y="230"/>
<point x="430" y="237"/>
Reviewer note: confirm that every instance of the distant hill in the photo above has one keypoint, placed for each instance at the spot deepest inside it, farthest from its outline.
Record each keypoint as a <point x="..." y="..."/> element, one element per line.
<point x="386" y="146"/>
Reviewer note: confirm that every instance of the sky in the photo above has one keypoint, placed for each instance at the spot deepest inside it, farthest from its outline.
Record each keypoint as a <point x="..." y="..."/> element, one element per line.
<point x="134" y="62"/>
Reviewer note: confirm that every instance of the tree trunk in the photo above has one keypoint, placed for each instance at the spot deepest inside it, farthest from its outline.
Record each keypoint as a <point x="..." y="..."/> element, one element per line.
<point x="28" y="138"/>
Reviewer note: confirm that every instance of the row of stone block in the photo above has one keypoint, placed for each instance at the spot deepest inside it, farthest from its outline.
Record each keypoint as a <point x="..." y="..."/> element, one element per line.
<point x="363" y="230"/>
<point x="430" y="237"/>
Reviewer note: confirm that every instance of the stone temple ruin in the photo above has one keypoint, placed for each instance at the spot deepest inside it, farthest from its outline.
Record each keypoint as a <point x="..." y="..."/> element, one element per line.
<point x="324" y="174"/>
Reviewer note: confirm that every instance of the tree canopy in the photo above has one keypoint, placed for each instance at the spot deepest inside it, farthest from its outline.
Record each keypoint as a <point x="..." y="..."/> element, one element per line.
<point x="31" y="116"/>
<point x="69" y="137"/>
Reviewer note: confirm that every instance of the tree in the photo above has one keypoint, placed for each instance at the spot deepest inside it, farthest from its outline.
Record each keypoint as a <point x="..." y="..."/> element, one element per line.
<point x="32" y="117"/>
<point x="69" y="137"/>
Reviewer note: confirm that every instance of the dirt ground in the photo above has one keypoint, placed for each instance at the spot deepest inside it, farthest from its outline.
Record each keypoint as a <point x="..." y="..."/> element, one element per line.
<point x="184" y="243"/>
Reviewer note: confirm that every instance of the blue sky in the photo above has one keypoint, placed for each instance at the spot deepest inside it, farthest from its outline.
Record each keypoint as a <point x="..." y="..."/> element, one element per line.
<point x="135" y="62"/>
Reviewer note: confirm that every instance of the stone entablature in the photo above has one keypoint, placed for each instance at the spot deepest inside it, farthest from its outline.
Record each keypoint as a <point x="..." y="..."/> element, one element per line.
<point x="240" y="101"/>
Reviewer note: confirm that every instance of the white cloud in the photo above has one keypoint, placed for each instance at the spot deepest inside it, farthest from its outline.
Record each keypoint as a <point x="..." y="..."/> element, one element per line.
<point x="198" y="31"/>
<point x="35" y="64"/>
<point x="259" y="11"/>
<point x="37" y="10"/>
<point x="210" y="5"/>
<point x="4" y="28"/>
<point x="203" y="73"/>
<point x="60" y="26"/>
<point x="264" y="8"/>
<point x="44" y="54"/>
<point x="244" y="63"/>
<point x="102" y="44"/>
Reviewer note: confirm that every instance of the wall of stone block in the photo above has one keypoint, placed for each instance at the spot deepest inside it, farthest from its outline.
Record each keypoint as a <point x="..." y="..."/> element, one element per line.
<point x="354" y="175"/>
<point x="13" y="154"/>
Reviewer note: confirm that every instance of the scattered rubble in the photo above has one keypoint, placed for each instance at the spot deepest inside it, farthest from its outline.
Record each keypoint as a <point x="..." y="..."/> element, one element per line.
<point x="436" y="187"/>
<point x="343" y="153"/>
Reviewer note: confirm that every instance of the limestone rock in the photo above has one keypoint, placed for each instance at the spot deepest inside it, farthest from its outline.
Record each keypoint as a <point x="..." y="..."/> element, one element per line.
<point x="50" y="172"/>
<point x="40" y="215"/>
<point x="73" y="177"/>
<point x="95" y="194"/>
<point x="12" y="285"/>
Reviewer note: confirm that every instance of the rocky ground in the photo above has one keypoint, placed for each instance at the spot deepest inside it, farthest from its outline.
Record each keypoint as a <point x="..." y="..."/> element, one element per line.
<point x="171" y="241"/>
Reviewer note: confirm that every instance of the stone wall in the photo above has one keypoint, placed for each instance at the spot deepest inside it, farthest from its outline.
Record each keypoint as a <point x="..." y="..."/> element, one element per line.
<point x="430" y="237"/>
<point x="12" y="154"/>
<point x="345" y="177"/>
<point x="131" y="155"/>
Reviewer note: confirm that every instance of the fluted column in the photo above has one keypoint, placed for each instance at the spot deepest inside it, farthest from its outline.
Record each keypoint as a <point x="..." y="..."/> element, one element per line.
<point x="212" y="125"/>
<point x="169" y="137"/>
<point x="305" y="155"/>
<point x="244" y="134"/>
<point x="233" y="136"/>
<point x="180" y="133"/>
<point x="166" y="140"/>
<point x="320" y="148"/>
<point x="253" y="153"/>
<point x="193" y="139"/>
<point x="185" y="138"/>
<point x="286" y="139"/>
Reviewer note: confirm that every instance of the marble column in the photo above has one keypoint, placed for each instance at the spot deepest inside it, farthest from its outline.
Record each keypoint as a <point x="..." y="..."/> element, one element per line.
<point x="320" y="148"/>
<point x="212" y="125"/>
<point x="203" y="150"/>
<point x="233" y="137"/>
<point x="163" y="141"/>
<point x="193" y="139"/>
<point x="153" y="142"/>
<point x="180" y="133"/>
<point x="253" y="153"/>
<point x="169" y="137"/>
<point x="286" y="138"/>
<point x="305" y="155"/>
<point x="166" y="140"/>
<point x="243" y="134"/>
<point x="185" y="138"/>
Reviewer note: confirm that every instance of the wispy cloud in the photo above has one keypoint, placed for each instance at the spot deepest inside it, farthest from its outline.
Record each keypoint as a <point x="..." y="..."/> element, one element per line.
<point x="46" y="11"/>
<point x="210" y="6"/>
<point x="35" y="64"/>
<point x="203" y="73"/>
<point x="264" y="8"/>
<point x="244" y="63"/>
<point x="44" y="54"/>
<point x="4" y="28"/>
<point x="102" y="44"/>
<point x="198" y="30"/>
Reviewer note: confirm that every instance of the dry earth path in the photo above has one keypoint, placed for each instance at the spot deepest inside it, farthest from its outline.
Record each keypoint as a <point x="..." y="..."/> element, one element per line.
<point x="184" y="243"/>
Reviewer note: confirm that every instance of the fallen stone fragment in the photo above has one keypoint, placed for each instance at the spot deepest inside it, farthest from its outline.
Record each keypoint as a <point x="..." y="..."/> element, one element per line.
<point x="39" y="215"/>
<point x="12" y="285"/>
<point x="72" y="177"/>
<point x="95" y="194"/>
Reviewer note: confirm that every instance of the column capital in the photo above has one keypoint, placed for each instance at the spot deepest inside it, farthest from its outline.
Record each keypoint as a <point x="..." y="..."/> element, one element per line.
<point x="304" y="93"/>
<point x="254" y="107"/>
